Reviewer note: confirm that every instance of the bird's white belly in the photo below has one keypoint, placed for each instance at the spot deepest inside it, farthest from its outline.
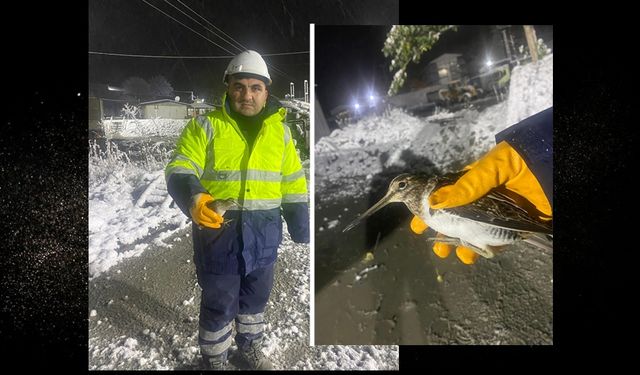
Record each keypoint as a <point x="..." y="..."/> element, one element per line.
<point x="467" y="230"/>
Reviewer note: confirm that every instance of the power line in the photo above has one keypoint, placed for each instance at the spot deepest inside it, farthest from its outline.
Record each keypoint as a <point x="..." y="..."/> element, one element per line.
<point x="205" y="27"/>
<point x="207" y="21"/>
<point x="226" y="50"/>
<point x="244" y="48"/>
<point x="189" y="57"/>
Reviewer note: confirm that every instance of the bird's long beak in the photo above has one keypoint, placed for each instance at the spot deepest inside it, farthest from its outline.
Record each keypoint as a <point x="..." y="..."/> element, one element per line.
<point x="388" y="198"/>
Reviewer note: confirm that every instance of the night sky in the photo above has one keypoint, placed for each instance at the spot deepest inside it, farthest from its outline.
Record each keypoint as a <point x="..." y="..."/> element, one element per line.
<point x="349" y="63"/>
<point x="349" y="59"/>
<point x="268" y="26"/>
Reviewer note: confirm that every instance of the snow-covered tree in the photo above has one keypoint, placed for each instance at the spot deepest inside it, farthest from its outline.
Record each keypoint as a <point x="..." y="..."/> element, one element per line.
<point x="130" y="112"/>
<point x="542" y="48"/>
<point x="160" y="87"/>
<point x="406" y="43"/>
<point x="136" y="87"/>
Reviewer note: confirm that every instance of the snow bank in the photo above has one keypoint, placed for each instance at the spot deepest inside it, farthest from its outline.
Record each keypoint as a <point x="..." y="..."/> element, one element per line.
<point x="531" y="90"/>
<point x="128" y="128"/>
<point x="129" y="207"/>
<point x="348" y="159"/>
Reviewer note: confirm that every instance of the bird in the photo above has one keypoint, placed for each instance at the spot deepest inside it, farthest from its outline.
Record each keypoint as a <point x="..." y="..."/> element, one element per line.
<point x="486" y="226"/>
<point x="220" y="206"/>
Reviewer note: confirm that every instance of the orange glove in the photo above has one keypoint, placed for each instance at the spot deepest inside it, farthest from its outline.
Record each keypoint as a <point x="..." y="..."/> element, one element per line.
<point x="202" y="214"/>
<point x="466" y="255"/>
<point x="502" y="166"/>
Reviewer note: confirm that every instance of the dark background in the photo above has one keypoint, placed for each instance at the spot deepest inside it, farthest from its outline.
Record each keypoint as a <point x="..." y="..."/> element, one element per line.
<point x="349" y="59"/>
<point x="43" y="197"/>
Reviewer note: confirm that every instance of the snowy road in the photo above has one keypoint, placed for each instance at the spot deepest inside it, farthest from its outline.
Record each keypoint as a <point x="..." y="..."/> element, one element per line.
<point x="146" y="315"/>
<point x="388" y="279"/>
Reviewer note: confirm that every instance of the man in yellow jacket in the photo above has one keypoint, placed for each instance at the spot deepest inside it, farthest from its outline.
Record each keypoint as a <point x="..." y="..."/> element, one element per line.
<point x="243" y="152"/>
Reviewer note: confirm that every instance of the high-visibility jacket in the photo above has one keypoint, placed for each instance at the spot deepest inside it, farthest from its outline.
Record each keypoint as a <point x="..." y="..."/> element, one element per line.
<point x="263" y="178"/>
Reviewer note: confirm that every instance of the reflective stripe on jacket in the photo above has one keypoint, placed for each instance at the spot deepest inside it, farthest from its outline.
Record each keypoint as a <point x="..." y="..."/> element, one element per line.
<point x="213" y="148"/>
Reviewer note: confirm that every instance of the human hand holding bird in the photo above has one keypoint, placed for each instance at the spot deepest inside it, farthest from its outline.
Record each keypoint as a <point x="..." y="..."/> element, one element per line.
<point x="476" y="209"/>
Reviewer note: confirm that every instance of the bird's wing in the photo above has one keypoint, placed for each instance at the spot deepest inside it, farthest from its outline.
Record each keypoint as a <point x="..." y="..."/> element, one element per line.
<point x="504" y="209"/>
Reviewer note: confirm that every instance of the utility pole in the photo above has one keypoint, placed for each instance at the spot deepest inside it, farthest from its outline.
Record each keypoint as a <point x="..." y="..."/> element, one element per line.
<point x="306" y="91"/>
<point x="532" y="41"/>
<point x="505" y="39"/>
<point x="291" y="91"/>
<point x="513" y="45"/>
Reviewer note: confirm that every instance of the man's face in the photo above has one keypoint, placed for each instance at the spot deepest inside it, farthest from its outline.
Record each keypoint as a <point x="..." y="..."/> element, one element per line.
<point x="247" y="95"/>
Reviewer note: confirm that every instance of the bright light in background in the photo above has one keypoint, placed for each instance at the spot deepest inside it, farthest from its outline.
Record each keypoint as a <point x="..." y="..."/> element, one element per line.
<point x="356" y="106"/>
<point x="489" y="62"/>
<point x="372" y="100"/>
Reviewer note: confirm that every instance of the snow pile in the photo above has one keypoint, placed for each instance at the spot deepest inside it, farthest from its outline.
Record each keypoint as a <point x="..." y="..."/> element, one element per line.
<point x="128" y="128"/>
<point x="148" y="353"/>
<point x="393" y="127"/>
<point x="348" y="160"/>
<point x="531" y="90"/>
<point x="129" y="207"/>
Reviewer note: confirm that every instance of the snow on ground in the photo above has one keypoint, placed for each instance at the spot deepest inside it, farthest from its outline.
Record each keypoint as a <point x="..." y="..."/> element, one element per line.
<point x="128" y="128"/>
<point x="171" y="343"/>
<point x="397" y="140"/>
<point x="129" y="207"/>
<point x="356" y="357"/>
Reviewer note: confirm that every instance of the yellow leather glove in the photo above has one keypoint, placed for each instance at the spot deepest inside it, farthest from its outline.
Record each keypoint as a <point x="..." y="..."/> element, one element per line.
<point x="466" y="255"/>
<point x="502" y="166"/>
<point x="202" y="214"/>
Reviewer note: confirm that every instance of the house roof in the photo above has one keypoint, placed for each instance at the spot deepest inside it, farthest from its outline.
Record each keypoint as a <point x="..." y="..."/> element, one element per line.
<point x="201" y="106"/>
<point x="167" y="101"/>
<point x="446" y="56"/>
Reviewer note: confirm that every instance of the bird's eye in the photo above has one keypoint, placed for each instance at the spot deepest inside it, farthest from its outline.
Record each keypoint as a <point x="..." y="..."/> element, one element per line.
<point x="402" y="185"/>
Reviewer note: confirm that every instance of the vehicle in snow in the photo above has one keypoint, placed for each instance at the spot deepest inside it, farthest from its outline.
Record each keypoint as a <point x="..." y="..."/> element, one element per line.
<point x="456" y="92"/>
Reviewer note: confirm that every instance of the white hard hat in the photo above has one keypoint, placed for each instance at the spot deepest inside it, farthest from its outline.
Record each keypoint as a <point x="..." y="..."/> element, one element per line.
<point x="247" y="62"/>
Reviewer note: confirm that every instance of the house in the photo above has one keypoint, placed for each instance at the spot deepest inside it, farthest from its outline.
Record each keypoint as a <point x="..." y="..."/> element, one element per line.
<point x="104" y="101"/>
<point x="445" y="68"/>
<point x="164" y="108"/>
<point x="171" y="109"/>
<point x="199" y="107"/>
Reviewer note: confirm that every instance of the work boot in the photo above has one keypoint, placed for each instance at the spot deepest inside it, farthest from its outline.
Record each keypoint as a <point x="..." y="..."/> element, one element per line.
<point x="216" y="362"/>
<point x="254" y="356"/>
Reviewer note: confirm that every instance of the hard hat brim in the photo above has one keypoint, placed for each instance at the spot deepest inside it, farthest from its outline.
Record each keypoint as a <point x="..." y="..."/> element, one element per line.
<point x="242" y="75"/>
